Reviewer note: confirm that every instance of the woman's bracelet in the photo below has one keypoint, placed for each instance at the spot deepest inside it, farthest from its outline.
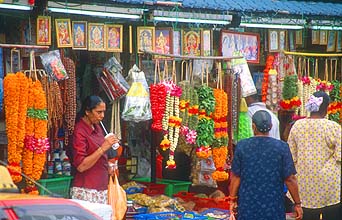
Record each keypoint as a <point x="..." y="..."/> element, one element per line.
<point x="232" y="198"/>
<point x="100" y="148"/>
<point x="297" y="203"/>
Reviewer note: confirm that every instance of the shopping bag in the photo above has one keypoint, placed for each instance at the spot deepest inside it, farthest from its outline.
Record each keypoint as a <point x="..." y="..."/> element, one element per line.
<point x="117" y="198"/>
<point x="232" y="217"/>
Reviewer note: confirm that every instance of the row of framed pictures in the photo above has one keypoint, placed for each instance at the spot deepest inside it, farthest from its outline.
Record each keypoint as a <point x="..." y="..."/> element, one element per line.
<point x="80" y="35"/>
<point x="333" y="39"/>
<point x="279" y="40"/>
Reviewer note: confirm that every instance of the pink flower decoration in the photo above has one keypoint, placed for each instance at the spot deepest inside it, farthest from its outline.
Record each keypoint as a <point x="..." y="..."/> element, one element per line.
<point x="191" y="137"/>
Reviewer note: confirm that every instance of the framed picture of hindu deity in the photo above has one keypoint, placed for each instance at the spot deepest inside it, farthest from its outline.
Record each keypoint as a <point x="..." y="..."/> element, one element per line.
<point x="273" y="41"/>
<point x="207" y="42"/>
<point x="113" y="37"/>
<point x="323" y="37"/>
<point x="314" y="37"/>
<point x="79" y="35"/>
<point x="96" y="37"/>
<point x="339" y="41"/>
<point x="191" y="42"/>
<point x="163" y="41"/>
<point x="43" y="30"/>
<point x="145" y="39"/>
<point x="331" y="45"/>
<point x="63" y="32"/>
<point x="176" y="42"/>
<point x="240" y="44"/>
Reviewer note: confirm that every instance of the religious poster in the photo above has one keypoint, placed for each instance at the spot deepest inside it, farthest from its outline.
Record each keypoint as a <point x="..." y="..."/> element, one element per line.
<point x="163" y="41"/>
<point x="114" y="38"/>
<point x="79" y="35"/>
<point x="192" y="42"/>
<point x="63" y="31"/>
<point x="96" y="37"/>
<point x="145" y="39"/>
<point x="43" y="30"/>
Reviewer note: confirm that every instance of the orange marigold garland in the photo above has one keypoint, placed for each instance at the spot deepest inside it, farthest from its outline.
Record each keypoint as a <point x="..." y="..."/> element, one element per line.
<point x="36" y="141"/>
<point x="11" y="104"/>
<point x="220" y="144"/>
<point x="268" y="66"/>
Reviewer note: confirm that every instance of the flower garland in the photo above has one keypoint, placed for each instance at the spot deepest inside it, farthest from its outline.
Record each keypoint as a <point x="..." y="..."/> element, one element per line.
<point x="158" y="104"/>
<point x="171" y="122"/>
<point x="220" y="144"/>
<point x="264" y="87"/>
<point x="11" y="104"/>
<point x="205" y="127"/>
<point x="335" y="107"/>
<point x="290" y="93"/>
<point x="36" y="141"/>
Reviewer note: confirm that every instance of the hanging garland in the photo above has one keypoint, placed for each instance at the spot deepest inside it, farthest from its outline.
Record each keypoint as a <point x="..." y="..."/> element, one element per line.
<point x="171" y="122"/>
<point x="335" y="107"/>
<point x="268" y="66"/>
<point x="36" y="141"/>
<point x="15" y="100"/>
<point x="205" y="127"/>
<point x="158" y="100"/>
<point x="290" y="93"/>
<point x="220" y="145"/>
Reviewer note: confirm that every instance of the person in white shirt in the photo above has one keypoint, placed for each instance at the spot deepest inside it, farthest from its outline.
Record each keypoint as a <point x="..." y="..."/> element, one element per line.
<point x="254" y="104"/>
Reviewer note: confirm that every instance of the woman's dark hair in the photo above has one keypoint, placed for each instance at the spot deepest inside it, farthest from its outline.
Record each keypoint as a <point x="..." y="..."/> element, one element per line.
<point x="326" y="100"/>
<point x="89" y="103"/>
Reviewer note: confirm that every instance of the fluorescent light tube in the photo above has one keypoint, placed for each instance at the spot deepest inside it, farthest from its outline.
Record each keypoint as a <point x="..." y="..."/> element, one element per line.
<point x="316" y="27"/>
<point x="94" y="13"/>
<point x="15" y="7"/>
<point x="189" y="20"/>
<point x="275" y="26"/>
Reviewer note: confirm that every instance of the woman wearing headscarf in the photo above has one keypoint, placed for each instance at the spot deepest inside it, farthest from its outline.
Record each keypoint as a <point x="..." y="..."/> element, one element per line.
<point x="260" y="167"/>
<point x="315" y="144"/>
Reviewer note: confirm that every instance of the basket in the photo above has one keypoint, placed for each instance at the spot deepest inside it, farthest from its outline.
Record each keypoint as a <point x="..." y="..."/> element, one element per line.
<point x="170" y="215"/>
<point x="171" y="186"/>
<point x="215" y="214"/>
<point x="202" y="203"/>
<point x="59" y="186"/>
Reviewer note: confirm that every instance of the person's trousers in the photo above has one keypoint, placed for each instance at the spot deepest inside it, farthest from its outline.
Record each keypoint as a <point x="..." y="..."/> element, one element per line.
<point x="328" y="213"/>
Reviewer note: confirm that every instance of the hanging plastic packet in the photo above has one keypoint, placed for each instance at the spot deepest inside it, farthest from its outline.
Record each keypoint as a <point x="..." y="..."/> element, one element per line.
<point x="137" y="104"/>
<point x="53" y="65"/>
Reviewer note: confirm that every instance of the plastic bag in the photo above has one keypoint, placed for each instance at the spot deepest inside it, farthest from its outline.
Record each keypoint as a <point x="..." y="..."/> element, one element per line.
<point x="53" y="65"/>
<point x="137" y="104"/>
<point x="112" y="81"/>
<point x="117" y="198"/>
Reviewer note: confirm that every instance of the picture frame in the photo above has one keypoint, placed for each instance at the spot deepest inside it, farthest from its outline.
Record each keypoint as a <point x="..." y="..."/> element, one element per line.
<point x="163" y="41"/>
<point x="43" y="30"/>
<point x="292" y="43"/>
<point x="331" y="45"/>
<point x="176" y="42"/>
<point x="79" y="35"/>
<point x="314" y="37"/>
<point x="145" y="39"/>
<point x="282" y="40"/>
<point x="191" y="42"/>
<point x="339" y="41"/>
<point x="207" y="42"/>
<point x="323" y="37"/>
<point x="96" y="37"/>
<point x="114" y="38"/>
<point x="237" y="43"/>
<point x="299" y="37"/>
<point x="63" y="33"/>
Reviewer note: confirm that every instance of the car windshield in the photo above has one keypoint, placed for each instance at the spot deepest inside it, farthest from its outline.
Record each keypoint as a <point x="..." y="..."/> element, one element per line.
<point x="51" y="212"/>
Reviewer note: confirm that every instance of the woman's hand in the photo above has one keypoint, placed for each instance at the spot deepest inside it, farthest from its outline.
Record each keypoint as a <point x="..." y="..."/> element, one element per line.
<point x="110" y="139"/>
<point x="299" y="212"/>
<point x="233" y="207"/>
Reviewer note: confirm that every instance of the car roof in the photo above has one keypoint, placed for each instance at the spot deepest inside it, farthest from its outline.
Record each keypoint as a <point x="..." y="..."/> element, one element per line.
<point x="6" y="182"/>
